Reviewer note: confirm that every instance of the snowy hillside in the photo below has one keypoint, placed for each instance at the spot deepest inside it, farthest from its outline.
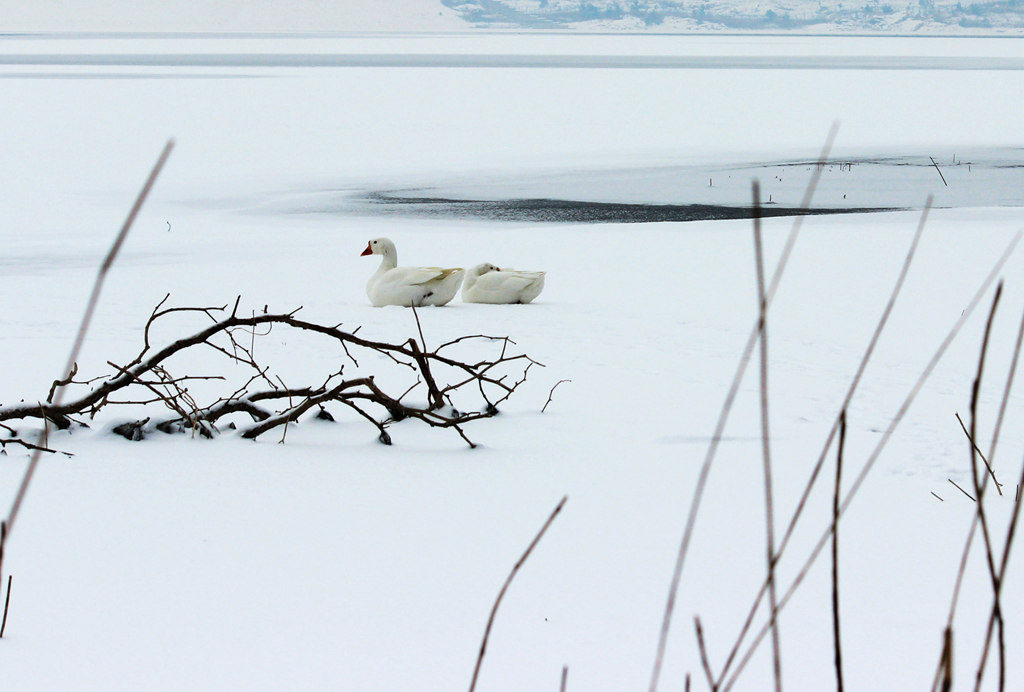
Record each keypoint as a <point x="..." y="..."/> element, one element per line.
<point x="889" y="16"/>
<point x="944" y="17"/>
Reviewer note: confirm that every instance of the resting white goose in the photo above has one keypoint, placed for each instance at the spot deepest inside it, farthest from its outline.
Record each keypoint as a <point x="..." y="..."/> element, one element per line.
<point x="486" y="283"/>
<point x="408" y="286"/>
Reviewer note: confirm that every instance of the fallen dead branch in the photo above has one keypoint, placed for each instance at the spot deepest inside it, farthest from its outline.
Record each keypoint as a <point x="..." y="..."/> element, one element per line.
<point x="266" y="403"/>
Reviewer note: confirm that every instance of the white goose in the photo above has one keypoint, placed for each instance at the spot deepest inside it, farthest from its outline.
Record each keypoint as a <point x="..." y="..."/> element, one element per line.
<point x="408" y="286"/>
<point x="486" y="283"/>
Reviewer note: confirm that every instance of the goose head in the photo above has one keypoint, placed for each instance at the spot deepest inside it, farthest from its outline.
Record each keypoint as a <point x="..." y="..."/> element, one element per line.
<point x="386" y="249"/>
<point x="481" y="269"/>
<point x="380" y="246"/>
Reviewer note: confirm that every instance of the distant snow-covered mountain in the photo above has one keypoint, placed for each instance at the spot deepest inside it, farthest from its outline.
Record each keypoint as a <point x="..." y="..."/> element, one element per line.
<point x="358" y="16"/>
<point x="871" y="16"/>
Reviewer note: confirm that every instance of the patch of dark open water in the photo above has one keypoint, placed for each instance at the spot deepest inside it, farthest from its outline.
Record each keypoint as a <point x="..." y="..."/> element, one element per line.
<point x="574" y="211"/>
<point x="691" y="191"/>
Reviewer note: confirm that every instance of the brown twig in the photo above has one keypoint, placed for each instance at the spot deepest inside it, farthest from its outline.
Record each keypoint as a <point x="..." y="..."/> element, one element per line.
<point x="703" y="650"/>
<point x="969" y="496"/>
<point x="551" y="393"/>
<point x="288" y="419"/>
<point x="419" y="327"/>
<point x="504" y="588"/>
<point x="981" y="455"/>
<point x="7" y="605"/>
<point x="7" y="600"/>
<point x="940" y="171"/>
<point x="30" y="446"/>
<point x="62" y="383"/>
<point x="944" y="680"/>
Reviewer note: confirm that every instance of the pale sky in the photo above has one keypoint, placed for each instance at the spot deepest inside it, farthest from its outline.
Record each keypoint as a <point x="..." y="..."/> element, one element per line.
<point x="227" y="15"/>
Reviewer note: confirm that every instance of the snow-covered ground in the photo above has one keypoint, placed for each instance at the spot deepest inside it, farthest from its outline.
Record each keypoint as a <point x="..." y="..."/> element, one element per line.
<point x="334" y="562"/>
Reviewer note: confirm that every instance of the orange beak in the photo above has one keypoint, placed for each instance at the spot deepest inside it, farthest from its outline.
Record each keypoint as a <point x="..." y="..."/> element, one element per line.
<point x="367" y="251"/>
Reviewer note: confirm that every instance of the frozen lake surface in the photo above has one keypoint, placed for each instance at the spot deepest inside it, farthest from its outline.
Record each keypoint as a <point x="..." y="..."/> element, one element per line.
<point x="334" y="562"/>
<point x="988" y="178"/>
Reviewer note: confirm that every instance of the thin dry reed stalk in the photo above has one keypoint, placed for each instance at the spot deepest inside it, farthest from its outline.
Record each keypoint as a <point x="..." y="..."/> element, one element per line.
<point x="879" y="447"/>
<point x="957" y="486"/>
<point x="981" y="455"/>
<point x="961" y="572"/>
<point x="1011" y="534"/>
<point x="836" y="639"/>
<point x="76" y="347"/>
<point x="980" y="513"/>
<point x="703" y="649"/>
<point x="7" y="605"/>
<point x="944" y="676"/>
<point x="819" y="464"/>
<point x="769" y="504"/>
<point x="504" y="588"/>
<point x="723" y="418"/>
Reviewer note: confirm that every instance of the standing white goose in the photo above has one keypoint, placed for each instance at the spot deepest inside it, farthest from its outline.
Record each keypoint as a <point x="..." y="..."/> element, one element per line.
<point x="408" y="286"/>
<point x="486" y="283"/>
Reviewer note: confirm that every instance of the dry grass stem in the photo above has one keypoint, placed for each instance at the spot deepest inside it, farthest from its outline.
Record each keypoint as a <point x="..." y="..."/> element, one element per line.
<point x="982" y="517"/>
<point x="7" y="605"/>
<point x="981" y="455"/>
<point x="1008" y="385"/>
<point x="90" y="308"/>
<point x="944" y="678"/>
<point x="504" y="588"/>
<point x="819" y="464"/>
<point x="837" y="646"/>
<point x="723" y="418"/>
<point x="974" y="524"/>
<point x="769" y="505"/>
<point x="76" y="347"/>
<point x="957" y="486"/>
<point x="703" y="650"/>
<point x="880" y="446"/>
<point x="940" y="171"/>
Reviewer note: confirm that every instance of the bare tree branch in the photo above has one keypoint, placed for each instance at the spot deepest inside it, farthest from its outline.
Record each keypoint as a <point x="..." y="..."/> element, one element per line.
<point x="269" y="402"/>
